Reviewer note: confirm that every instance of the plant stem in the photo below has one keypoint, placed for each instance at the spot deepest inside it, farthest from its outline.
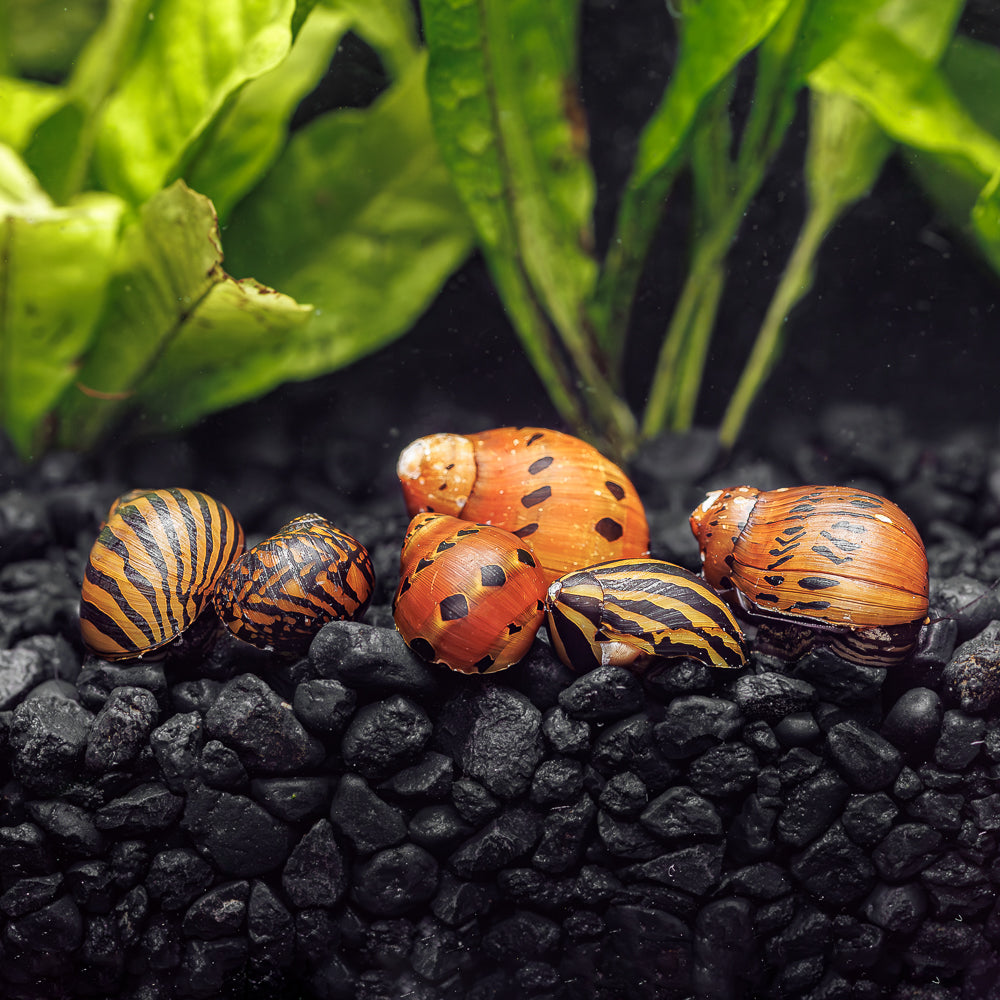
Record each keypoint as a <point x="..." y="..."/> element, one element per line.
<point x="796" y="280"/>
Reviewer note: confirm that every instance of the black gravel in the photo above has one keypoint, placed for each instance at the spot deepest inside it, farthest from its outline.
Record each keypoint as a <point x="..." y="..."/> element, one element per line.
<point x="357" y="823"/>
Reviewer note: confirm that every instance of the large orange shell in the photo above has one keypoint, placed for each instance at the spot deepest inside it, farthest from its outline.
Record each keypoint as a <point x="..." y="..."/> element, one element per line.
<point x="844" y="557"/>
<point x="575" y="506"/>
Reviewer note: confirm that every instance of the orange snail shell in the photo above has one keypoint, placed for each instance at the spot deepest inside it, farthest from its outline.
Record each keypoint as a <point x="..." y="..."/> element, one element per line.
<point x="575" y="506"/>
<point x="470" y="596"/>
<point x="830" y="555"/>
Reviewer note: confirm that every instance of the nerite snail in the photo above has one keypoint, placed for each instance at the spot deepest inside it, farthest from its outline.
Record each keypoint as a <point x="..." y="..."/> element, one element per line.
<point x="575" y="506"/>
<point x="470" y="596"/>
<point x="821" y="563"/>
<point x="153" y="569"/>
<point x="284" y="589"/>
<point x="633" y="612"/>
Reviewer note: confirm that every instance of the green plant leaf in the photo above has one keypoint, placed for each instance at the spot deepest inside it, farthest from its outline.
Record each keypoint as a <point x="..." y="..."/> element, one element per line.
<point x="248" y="134"/>
<point x="25" y="104"/>
<point x="178" y="336"/>
<point x="359" y="218"/>
<point x="192" y="59"/>
<point x="54" y="266"/>
<point x="41" y="38"/>
<point x="388" y="26"/>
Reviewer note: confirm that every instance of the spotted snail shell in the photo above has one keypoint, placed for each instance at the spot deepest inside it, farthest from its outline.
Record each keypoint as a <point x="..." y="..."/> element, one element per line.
<point x="153" y="569"/>
<point x="829" y="557"/>
<point x="283" y="590"/>
<point x="634" y="612"/>
<point x="471" y="596"/>
<point x="575" y="506"/>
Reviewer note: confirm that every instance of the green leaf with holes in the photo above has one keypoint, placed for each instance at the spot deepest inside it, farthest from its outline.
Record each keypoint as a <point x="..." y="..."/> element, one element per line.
<point x="359" y="218"/>
<point x="54" y="266"/>
<point x="178" y="336"/>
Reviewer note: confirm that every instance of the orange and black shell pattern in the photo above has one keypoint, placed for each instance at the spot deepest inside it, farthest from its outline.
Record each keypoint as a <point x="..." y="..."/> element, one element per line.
<point x="153" y="569"/>
<point x="470" y="596"/>
<point x="635" y="612"/>
<point x="287" y="587"/>
<point x="823" y="556"/>
<point x="575" y="506"/>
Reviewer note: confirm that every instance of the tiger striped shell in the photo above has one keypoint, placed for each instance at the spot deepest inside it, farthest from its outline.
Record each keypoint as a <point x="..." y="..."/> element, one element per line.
<point x="575" y="506"/>
<point x="287" y="587"/>
<point x="632" y="612"/>
<point x="153" y="568"/>
<point x="470" y="596"/>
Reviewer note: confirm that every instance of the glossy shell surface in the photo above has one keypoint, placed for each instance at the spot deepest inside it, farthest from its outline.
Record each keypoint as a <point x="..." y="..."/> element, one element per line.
<point x="283" y="590"/>
<point x="575" y="506"/>
<point x="470" y="596"/>
<point x="826" y="554"/>
<point x="632" y="612"/>
<point x="153" y="569"/>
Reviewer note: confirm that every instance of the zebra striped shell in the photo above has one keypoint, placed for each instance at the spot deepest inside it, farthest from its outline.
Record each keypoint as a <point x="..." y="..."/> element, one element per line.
<point x="575" y="506"/>
<point x="153" y="568"/>
<point x="470" y="595"/>
<point x="286" y="588"/>
<point x="826" y="557"/>
<point x="631" y="612"/>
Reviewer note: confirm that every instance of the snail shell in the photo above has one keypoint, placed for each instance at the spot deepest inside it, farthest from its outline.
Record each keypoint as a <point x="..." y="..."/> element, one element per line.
<point x="282" y="591"/>
<point x="631" y="612"/>
<point x="153" y="568"/>
<point x="575" y="506"/>
<point x="470" y="596"/>
<point x="823" y="556"/>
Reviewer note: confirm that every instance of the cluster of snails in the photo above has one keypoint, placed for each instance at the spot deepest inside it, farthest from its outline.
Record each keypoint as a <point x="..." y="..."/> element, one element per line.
<point x="163" y="557"/>
<point x="510" y="528"/>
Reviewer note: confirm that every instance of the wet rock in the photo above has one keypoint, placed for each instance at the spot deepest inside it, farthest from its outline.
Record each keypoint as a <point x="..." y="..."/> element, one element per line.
<point x="960" y="741"/>
<point x="241" y="837"/>
<point x="565" y="833"/>
<point x="624" y="794"/>
<point x="121" y="729"/>
<point x="495" y="736"/>
<point x="30" y="893"/>
<point x="564" y="733"/>
<point x="218" y="913"/>
<point x="811" y="807"/>
<point x="292" y="799"/>
<point x="368" y="822"/>
<point x="679" y="814"/>
<point x="439" y="828"/>
<point x="21" y="670"/>
<point x="48" y="738"/>
<point x="867" y="760"/>
<point x="220" y="767"/>
<point x="395" y="880"/>
<point x="57" y="927"/>
<point x="269" y="925"/>
<point x="508" y="837"/>
<point x="384" y="736"/>
<point x="724" y="770"/>
<point x="71" y="828"/>
<point x="693" y="724"/>
<point x="177" y="877"/>
<point x="896" y="908"/>
<point x="324" y="705"/>
<point x="372" y="659"/>
<point x="177" y="747"/>
<point x="772" y="696"/>
<point x="249" y="717"/>
<point x="428" y="780"/>
<point x="833" y="869"/>
<point x="603" y="694"/>
<point x="556" y="782"/>
<point x="972" y="675"/>
<point x="838" y="680"/>
<point x="913" y="722"/>
<point x="315" y="874"/>
<point x="906" y="850"/>
<point x="473" y="802"/>
<point x="148" y="807"/>
<point x="868" y="818"/>
<point x="97" y="680"/>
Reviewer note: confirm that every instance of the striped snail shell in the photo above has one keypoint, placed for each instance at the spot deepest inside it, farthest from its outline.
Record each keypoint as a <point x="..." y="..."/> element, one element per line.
<point x="832" y="559"/>
<point x="470" y="596"/>
<point x="575" y="506"/>
<point x="153" y="568"/>
<point x="633" y="612"/>
<point x="282" y="591"/>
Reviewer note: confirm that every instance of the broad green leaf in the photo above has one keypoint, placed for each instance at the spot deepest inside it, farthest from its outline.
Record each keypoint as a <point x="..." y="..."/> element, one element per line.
<point x="359" y="218"/>
<point x="986" y="222"/>
<point x="54" y="266"/>
<point x="388" y="26"/>
<point x="907" y="96"/>
<point x="502" y="87"/>
<point x="24" y="105"/>
<point x="247" y="136"/>
<point x="178" y="336"/>
<point x="192" y="59"/>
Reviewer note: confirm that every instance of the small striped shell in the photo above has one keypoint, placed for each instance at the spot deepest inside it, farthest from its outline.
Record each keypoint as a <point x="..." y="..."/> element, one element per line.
<point x="575" y="506"/>
<point x="287" y="587"/>
<point x="153" y="569"/>
<point x="470" y="595"/>
<point x="632" y="612"/>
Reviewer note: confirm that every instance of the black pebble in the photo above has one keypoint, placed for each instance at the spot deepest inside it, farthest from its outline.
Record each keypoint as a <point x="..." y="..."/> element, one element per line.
<point x="602" y="694"/>
<point x="385" y="735"/>
<point x="913" y="723"/>
<point x="395" y="879"/>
